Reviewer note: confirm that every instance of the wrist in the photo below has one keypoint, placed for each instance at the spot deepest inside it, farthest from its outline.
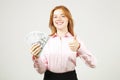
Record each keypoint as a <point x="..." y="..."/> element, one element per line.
<point x="34" y="57"/>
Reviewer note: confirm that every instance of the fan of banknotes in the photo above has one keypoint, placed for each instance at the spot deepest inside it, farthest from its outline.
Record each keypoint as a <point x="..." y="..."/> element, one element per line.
<point x="35" y="37"/>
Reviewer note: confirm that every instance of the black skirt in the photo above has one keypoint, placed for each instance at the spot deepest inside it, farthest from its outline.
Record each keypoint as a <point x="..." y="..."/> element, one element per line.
<point x="71" y="75"/>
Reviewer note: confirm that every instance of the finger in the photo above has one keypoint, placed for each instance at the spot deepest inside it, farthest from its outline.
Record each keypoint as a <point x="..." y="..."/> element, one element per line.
<point x="35" y="47"/>
<point x="36" y="51"/>
<point x="71" y="45"/>
<point x="72" y="48"/>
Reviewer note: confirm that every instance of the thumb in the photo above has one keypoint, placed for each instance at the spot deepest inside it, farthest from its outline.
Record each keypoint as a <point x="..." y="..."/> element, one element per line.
<point x="75" y="37"/>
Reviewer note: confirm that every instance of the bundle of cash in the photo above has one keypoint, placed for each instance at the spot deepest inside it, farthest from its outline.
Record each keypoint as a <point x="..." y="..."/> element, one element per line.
<point x="37" y="37"/>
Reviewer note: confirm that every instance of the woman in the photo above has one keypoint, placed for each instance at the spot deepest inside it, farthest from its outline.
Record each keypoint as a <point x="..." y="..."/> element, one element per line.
<point x="58" y="58"/>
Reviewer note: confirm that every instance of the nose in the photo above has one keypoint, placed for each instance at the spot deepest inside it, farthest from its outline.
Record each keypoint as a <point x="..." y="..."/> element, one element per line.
<point x="59" y="18"/>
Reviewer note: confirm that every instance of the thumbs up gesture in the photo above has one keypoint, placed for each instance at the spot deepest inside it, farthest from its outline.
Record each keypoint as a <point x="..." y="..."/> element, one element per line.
<point x="74" y="45"/>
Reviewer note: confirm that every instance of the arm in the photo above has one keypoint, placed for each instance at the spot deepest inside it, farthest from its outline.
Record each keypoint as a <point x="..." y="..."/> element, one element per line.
<point x="40" y="64"/>
<point x="86" y="55"/>
<point x="40" y="61"/>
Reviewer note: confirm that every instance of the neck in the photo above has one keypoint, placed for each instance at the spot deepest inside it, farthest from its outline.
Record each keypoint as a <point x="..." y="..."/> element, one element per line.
<point x="61" y="33"/>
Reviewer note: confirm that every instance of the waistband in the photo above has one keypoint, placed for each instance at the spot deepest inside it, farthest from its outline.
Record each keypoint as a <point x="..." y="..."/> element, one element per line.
<point x="70" y="75"/>
<point x="68" y="72"/>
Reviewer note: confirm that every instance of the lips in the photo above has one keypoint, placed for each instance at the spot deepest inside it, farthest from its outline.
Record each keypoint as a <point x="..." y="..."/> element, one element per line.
<point x="59" y="22"/>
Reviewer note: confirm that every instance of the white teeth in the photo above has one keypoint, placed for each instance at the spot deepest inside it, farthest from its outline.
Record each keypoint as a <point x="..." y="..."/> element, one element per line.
<point x="59" y="23"/>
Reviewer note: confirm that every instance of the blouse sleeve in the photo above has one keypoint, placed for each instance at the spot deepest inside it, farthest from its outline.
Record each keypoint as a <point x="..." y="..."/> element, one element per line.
<point x="86" y="55"/>
<point x="41" y="63"/>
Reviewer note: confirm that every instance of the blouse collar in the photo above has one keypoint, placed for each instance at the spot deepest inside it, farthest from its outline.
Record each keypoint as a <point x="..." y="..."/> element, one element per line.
<point x="68" y="34"/>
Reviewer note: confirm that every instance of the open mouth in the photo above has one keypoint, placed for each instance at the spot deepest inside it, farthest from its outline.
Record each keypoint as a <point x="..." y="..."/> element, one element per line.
<point x="59" y="23"/>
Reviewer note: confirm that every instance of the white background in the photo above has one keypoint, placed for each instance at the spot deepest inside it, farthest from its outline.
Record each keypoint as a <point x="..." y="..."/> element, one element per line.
<point x="96" y="21"/>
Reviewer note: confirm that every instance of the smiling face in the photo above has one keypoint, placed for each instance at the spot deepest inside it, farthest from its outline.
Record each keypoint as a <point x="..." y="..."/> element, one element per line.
<point x="60" y="21"/>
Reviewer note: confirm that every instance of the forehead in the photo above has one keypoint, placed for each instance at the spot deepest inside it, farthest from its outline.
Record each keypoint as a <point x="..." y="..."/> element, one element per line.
<point x="58" y="11"/>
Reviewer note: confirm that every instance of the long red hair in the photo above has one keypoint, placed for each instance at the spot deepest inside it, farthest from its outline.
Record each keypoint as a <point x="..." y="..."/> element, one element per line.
<point x="67" y="14"/>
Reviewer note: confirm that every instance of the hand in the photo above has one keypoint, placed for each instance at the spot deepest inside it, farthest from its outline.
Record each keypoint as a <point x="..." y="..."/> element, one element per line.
<point x="74" y="45"/>
<point x="35" y="49"/>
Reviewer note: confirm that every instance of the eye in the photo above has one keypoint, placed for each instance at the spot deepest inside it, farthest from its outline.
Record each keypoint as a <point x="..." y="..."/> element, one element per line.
<point x="63" y="16"/>
<point x="54" y="16"/>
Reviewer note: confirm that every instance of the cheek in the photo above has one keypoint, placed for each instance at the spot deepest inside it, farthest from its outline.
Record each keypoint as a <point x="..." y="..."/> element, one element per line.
<point x="66" y="22"/>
